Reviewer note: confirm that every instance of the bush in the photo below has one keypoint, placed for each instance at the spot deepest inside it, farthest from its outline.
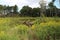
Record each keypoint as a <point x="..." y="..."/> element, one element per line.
<point x="47" y="31"/>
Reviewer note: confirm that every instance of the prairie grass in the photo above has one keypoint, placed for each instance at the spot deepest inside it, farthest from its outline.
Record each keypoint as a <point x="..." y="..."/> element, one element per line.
<point x="12" y="28"/>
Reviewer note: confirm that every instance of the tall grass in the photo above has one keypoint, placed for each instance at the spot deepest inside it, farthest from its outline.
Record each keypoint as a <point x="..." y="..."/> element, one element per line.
<point x="42" y="29"/>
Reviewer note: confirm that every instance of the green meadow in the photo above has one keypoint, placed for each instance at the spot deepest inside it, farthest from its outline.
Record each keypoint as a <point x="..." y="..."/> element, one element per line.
<point x="14" y="28"/>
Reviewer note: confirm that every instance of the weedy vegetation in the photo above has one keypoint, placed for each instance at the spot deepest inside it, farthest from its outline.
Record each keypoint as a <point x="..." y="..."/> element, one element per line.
<point x="18" y="28"/>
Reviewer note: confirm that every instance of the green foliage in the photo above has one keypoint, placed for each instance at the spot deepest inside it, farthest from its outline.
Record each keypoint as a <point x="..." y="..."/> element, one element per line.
<point x="35" y="12"/>
<point x="15" y="9"/>
<point x="42" y="29"/>
<point x="1" y="7"/>
<point x="47" y="29"/>
<point x="22" y="29"/>
<point x="10" y="11"/>
<point x="26" y="11"/>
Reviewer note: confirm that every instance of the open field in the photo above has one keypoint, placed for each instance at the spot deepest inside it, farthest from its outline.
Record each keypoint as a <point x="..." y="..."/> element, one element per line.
<point x="30" y="28"/>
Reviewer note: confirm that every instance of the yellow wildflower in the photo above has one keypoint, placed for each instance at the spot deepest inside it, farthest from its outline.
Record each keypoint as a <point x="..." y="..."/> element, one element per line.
<point x="1" y="33"/>
<point x="33" y="27"/>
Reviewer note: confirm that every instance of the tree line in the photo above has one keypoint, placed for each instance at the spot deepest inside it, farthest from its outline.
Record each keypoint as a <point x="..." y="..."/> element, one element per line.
<point x="50" y="11"/>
